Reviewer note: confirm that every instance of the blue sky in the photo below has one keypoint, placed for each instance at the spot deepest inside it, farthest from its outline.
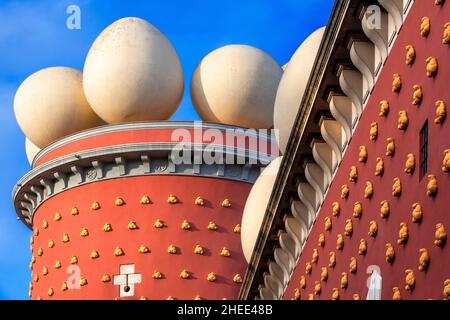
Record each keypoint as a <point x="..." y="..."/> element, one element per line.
<point x="33" y="35"/>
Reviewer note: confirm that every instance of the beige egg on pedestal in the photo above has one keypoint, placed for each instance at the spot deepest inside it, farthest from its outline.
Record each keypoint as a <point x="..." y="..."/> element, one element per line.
<point x="255" y="207"/>
<point x="31" y="150"/>
<point x="133" y="73"/>
<point x="50" y="104"/>
<point x="292" y="87"/>
<point x="236" y="85"/>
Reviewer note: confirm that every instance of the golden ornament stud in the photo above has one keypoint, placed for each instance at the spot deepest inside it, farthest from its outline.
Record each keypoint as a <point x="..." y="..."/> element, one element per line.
<point x="384" y="209"/>
<point x="373" y="229"/>
<point x="396" y="187"/>
<point x="446" y="291"/>
<point x="357" y="209"/>
<point x="446" y="161"/>
<point x="36" y="231"/>
<point x="158" y="224"/>
<point x="226" y="203"/>
<point x="83" y="282"/>
<point x="144" y="249"/>
<point x="95" y="205"/>
<point x="65" y="238"/>
<point x="336" y="208"/>
<point x="340" y="242"/>
<point x="317" y="288"/>
<point x="212" y="226"/>
<point x="432" y="186"/>
<point x="33" y="259"/>
<point x="50" y="292"/>
<point x="171" y="298"/>
<point x="446" y="34"/>
<point x="379" y="167"/>
<point x="185" y="225"/>
<point x="315" y="256"/>
<point x="64" y="286"/>
<point x="302" y="282"/>
<point x="310" y="296"/>
<point x="157" y="275"/>
<point x="36" y="278"/>
<point x="184" y="274"/>
<point x="84" y="232"/>
<point x="440" y="235"/>
<point x="199" y="201"/>
<point x="211" y="277"/>
<point x="172" y="199"/>
<point x="237" y="228"/>
<point x="118" y="251"/>
<point x="403" y="120"/>
<point x="145" y="200"/>
<point x="171" y="249"/>
<point x="390" y="253"/>
<point x="396" y="83"/>
<point x="353" y="175"/>
<point x="107" y="227"/>
<point x="225" y="252"/>
<point x="40" y="252"/>
<point x="94" y="254"/>
<point x="73" y="260"/>
<point x="237" y="278"/>
<point x="417" y="213"/>
<point x="396" y="293"/>
<point x="327" y="223"/>
<point x="106" y="277"/>
<point x="132" y="225"/>
<point x="143" y="298"/>
<point x="348" y="227"/>
<point x="321" y="240"/>
<point x="74" y="211"/>
<point x="362" y="155"/>
<point x="31" y="240"/>
<point x="57" y="217"/>
<point x="441" y="112"/>
<point x="417" y="95"/>
<point x="198" y="249"/>
<point x="51" y="243"/>
<point x="425" y="27"/>
<point x="119" y="202"/>
<point x="403" y="234"/>
<point x="57" y="264"/>
<point x="432" y="67"/>
<point x="198" y="297"/>
<point x="353" y="267"/>
<point x="335" y="294"/>
<point x="362" y="249"/>
<point x="297" y="294"/>
<point x="410" y="54"/>
<point x="410" y="280"/>
<point x="308" y="267"/>
<point x="44" y="271"/>
<point x="344" y="191"/>
<point x="424" y="259"/>
<point x="344" y="280"/>
<point x="324" y="274"/>
<point x="45" y="224"/>
<point x="384" y="108"/>
<point x="390" y="147"/>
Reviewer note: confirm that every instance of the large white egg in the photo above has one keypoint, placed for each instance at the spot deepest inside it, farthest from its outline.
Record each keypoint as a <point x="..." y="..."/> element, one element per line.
<point x="293" y="86"/>
<point x="236" y="85"/>
<point x="50" y="104"/>
<point x="31" y="150"/>
<point x="255" y="207"/>
<point x="133" y="73"/>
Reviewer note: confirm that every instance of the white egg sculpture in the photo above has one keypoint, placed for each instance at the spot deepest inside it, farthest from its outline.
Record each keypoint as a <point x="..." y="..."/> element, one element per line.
<point x="50" y="104"/>
<point x="236" y="85"/>
<point x="293" y="86"/>
<point x="255" y="207"/>
<point x="31" y="150"/>
<point x="133" y="73"/>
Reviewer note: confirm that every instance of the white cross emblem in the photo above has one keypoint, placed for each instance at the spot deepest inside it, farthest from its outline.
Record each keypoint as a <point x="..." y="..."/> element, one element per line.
<point x="126" y="280"/>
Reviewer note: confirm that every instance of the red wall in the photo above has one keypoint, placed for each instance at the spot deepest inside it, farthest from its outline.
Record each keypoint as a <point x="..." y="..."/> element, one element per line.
<point x="158" y="188"/>
<point x="428" y="284"/>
